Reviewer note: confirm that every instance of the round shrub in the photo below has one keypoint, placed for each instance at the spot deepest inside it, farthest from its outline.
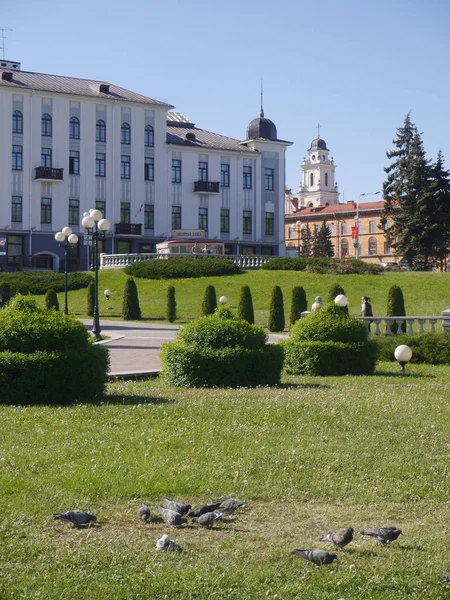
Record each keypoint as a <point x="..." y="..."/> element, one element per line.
<point x="51" y="300"/>
<point x="329" y="324"/>
<point x="213" y="332"/>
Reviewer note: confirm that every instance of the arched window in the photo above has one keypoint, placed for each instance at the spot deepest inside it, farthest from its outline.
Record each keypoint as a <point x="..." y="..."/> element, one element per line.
<point x="344" y="249"/>
<point x="125" y="134"/>
<point x="372" y="246"/>
<point x="74" y="129"/>
<point x="149" y="140"/>
<point x="311" y="179"/>
<point x="331" y="228"/>
<point x="326" y="179"/>
<point x="100" y="131"/>
<point x="17" y="122"/>
<point x="344" y="228"/>
<point x="46" y="125"/>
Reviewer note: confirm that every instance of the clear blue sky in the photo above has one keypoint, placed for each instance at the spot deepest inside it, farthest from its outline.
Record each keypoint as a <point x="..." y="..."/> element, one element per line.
<point x="355" y="66"/>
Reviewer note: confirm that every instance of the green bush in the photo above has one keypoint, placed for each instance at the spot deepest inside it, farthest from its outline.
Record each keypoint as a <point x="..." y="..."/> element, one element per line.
<point x="432" y="348"/>
<point x="335" y="290"/>
<point x="212" y="332"/>
<point x="322" y="265"/>
<point x="329" y="324"/>
<point x="38" y="282"/>
<point x="298" y="303"/>
<point x="209" y="303"/>
<point x="5" y="293"/>
<point x="245" y="305"/>
<point x="51" y="300"/>
<point x="131" y="311"/>
<point x="276" y="312"/>
<point x="90" y="299"/>
<point x="177" y="268"/>
<point x="396" y="307"/>
<point x="171" y="308"/>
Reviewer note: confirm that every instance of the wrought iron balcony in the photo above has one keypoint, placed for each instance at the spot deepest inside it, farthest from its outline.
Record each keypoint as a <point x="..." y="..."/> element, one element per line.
<point x="128" y="229"/>
<point x="49" y="174"/>
<point x="206" y="187"/>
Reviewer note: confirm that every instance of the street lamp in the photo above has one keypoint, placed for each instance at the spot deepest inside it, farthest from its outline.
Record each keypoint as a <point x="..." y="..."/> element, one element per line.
<point x="66" y="239"/>
<point x="403" y="355"/>
<point x="298" y="226"/>
<point x="356" y="237"/>
<point x="341" y="301"/>
<point x="97" y="227"/>
<point x="223" y="300"/>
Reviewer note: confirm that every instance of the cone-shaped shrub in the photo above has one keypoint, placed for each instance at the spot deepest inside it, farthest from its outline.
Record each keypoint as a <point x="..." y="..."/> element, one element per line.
<point x="245" y="305"/>
<point x="298" y="303"/>
<point x="90" y="299"/>
<point x="51" y="300"/>
<point x="396" y="307"/>
<point x="171" y="308"/>
<point x="335" y="290"/>
<point x="276" y="314"/>
<point x="131" y="311"/>
<point x="209" y="303"/>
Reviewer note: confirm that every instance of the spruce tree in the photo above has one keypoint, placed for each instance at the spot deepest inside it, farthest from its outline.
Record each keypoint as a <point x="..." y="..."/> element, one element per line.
<point x="209" y="303"/>
<point x="396" y="307"/>
<point x="131" y="310"/>
<point x="90" y="299"/>
<point x="276" y="313"/>
<point x="298" y="303"/>
<point x="245" y="305"/>
<point x="322" y="246"/>
<point x="51" y="300"/>
<point x="307" y="242"/>
<point x="171" y="308"/>
<point x="440" y="188"/>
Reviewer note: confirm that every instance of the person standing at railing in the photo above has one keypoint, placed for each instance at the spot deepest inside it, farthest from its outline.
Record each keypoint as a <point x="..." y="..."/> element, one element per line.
<point x="366" y="309"/>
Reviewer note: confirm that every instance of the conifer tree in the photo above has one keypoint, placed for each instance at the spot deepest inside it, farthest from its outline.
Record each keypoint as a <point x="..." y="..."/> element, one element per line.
<point x="276" y="313"/>
<point x="171" y="308"/>
<point x="131" y="311"/>
<point x="298" y="303"/>
<point x="209" y="303"/>
<point x="440" y="188"/>
<point x="307" y="242"/>
<point x="322" y="246"/>
<point x="336" y="290"/>
<point x="245" y="305"/>
<point x="396" y="307"/>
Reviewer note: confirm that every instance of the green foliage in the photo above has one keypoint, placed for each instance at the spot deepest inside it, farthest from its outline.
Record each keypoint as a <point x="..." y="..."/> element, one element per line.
<point x="431" y="348"/>
<point x="131" y="310"/>
<point x="213" y="332"/>
<point x="222" y="312"/>
<point x="209" y="303"/>
<point x="396" y="307"/>
<point x="90" y="299"/>
<point x="245" y="305"/>
<point x="306" y="249"/>
<point x="336" y="266"/>
<point x="171" y="309"/>
<point x="335" y="290"/>
<point x="38" y="282"/>
<point x="51" y="300"/>
<point x="322" y="245"/>
<point x="5" y="292"/>
<point x="177" y="268"/>
<point x="298" y="303"/>
<point x="276" y="312"/>
<point x="329" y="324"/>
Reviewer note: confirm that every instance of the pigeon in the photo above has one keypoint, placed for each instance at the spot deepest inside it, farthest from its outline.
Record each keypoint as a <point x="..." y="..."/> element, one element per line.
<point x="339" y="538"/>
<point x="228" y="507"/>
<point x="165" y="543"/>
<point x="143" y="513"/>
<point x="446" y="577"/>
<point x="318" y="557"/>
<point x="172" y="517"/>
<point x="77" y="517"/>
<point x="384" y="534"/>
<point x="207" y="519"/>
<point x="178" y="507"/>
<point x="204" y="508"/>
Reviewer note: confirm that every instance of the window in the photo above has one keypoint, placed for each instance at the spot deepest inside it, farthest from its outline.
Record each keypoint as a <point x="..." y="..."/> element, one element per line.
<point x="270" y="223"/>
<point x="46" y="211"/>
<point x="149" y="216"/>
<point x="101" y="206"/>
<point x="247" y="178"/>
<point x="292" y="232"/>
<point x="16" y="209"/>
<point x="326" y="179"/>
<point x="15" y="250"/>
<point x="149" y="137"/>
<point x="247" y="221"/>
<point x="17" y="122"/>
<point x="100" y="164"/>
<point x="372" y="246"/>
<point x="344" y="228"/>
<point x="124" y="212"/>
<point x="100" y="131"/>
<point x="268" y="185"/>
<point x="176" y="172"/>
<point x="311" y="179"/>
<point x="225" y="175"/>
<point x="387" y="248"/>
<point x="224" y="219"/>
<point x="46" y="157"/>
<point x="176" y="217"/>
<point x="125" y="134"/>
<point x="74" y="129"/>
<point x="46" y="125"/>
<point x="344" y="249"/>
<point x="202" y="172"/>
<point x="331" y="228"/>
<point x="74" y="212"/>
<point x="17" y="158"/>
<point x="203" y="218"/>
<point x="125" y="165"/>
<point x="74" y="162"/>
<point x="149" y="170"/>
<point x="372" y="226"/>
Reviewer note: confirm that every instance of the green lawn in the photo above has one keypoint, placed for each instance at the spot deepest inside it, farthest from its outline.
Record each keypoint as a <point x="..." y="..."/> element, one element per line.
<point x="315" y="454"/>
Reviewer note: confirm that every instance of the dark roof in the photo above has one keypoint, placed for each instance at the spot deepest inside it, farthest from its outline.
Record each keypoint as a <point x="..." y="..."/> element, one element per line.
<point x="318" y="144"/>
<point x="326" y="211"/>
<point x="200" y="138"/>
<point x="59" y="84"/>
<point x="262" y="129"/>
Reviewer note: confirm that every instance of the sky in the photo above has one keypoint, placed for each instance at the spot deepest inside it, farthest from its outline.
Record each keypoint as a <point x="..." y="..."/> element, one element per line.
<point x="357" y="67"/>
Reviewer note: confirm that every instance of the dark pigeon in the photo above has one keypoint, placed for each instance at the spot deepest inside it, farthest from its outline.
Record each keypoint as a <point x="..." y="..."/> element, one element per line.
<point x="228" y="507"/>
<point x="339" y="538"/>
<point x="207" y="519"/>
<point x="143" y="513"/>
<point x="172" y="517"/>
<point x="383" y="534"/>
<point x="178" y="507"/>
<point x="318" y="557"/>
<point x="205" y="508"/>
<point x="77" y="517"/>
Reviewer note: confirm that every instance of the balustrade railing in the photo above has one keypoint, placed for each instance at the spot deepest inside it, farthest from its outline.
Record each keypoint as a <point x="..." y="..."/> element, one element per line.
<point x="383" y="325"/>
<point x="119" y="261"/>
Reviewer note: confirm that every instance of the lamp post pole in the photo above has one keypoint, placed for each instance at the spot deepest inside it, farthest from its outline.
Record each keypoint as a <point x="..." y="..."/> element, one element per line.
<point x="66" y="238"/>
<point x="356" y="242"/>
<point x="298" y="226"/>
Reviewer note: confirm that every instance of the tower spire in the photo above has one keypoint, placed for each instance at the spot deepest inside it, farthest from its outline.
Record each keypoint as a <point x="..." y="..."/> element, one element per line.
<point x="318" y="130"/>
<point x="261" y="112"/>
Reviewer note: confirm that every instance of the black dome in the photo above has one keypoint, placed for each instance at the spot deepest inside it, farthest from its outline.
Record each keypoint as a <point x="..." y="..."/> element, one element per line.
<point x="318" y="144"/>
<point x="262" y="128"/>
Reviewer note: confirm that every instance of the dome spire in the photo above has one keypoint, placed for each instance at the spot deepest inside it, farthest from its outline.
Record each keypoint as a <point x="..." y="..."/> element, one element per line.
<point x="318" y="130"/>
<point x="261" y="112"/>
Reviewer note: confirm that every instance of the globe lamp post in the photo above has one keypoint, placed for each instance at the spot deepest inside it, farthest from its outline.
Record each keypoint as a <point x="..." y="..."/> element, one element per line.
<point x="341" y="301"/>
<point x="66" y="239"/>
<point x="403" y="355"/>
<point x="223" y="300"/>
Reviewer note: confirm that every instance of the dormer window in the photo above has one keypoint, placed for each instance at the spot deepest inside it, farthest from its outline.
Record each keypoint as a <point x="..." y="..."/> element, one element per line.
<point x="104" y="88"/>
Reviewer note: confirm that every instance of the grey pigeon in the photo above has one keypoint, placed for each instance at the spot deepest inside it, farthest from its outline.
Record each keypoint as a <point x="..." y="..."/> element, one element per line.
<point x="384" y="534"/>
<point x="207" y="519"/>
<point x="318" y="557"/>
<point x="77" y="517"/>
<point x="143" y="513"/>
<point x="339" y="538"/>
<point x="446" y="577"/>
<point x="165" y="543"/>
<point x="228" y="507"/>
<point x="204" y="508"/>
<point x="178" y="507"/>
<point x="172" y="517"/>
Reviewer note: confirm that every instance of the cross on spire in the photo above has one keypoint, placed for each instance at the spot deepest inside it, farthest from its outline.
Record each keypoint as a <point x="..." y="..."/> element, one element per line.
<point x="318" y="130"/>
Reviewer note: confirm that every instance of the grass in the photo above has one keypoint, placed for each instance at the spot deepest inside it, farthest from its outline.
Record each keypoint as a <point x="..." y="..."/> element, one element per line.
<point x="313" y="455"/>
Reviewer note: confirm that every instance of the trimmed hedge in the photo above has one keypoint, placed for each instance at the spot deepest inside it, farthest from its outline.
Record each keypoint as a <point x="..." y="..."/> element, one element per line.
<point x="178" y="268"/>
<point x="298" y="303"/>
<point x="209" y="303"/>
<point x="213" y="332"/>
<point x="322" y="265"/>
<point x="276" y="310"/>
<point x="329" y="324"/>
<point x="51" y="300"/>
<point x="431" y="348"/>
<point x="245" y="305"/>
<point x="131" y="310"/>
<point x="38" y="282"/>
<point x="171" y="304"/>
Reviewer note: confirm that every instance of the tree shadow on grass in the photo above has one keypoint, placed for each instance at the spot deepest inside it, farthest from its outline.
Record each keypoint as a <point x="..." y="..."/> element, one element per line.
<point x="404" y="375"/>
<point x="120" y="399"/>
<point x="306" y="386"/>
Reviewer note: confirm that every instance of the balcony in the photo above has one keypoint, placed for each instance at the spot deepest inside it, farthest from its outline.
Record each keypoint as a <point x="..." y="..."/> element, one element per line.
<point x="128" y="229"/>
<point x="49" y="174"/>
<point x="206" y="187"/>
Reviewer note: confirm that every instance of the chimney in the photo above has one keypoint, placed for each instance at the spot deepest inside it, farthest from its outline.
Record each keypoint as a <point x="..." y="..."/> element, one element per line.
<point x="104" y="88"/>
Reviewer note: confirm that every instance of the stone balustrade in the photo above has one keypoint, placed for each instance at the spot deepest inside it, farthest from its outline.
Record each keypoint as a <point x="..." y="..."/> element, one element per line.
<point x="119" y="261"/>
<point x="413" y="325"/>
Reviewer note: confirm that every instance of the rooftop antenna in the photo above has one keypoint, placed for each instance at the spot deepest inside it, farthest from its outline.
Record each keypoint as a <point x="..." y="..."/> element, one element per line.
<point x="261" y="112"/>
<point x="318" y="130"/>
<point x="3" y="38"/>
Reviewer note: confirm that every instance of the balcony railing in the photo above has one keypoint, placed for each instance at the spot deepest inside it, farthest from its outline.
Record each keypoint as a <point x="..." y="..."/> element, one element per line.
<point x="128" y="229"/>
<point x="119" y="261"/>
<point x="49" y="174"/>
<point x="206" y="187"/>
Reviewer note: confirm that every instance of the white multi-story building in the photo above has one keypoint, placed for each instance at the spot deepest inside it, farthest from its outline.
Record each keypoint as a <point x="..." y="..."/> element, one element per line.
<point x="68" y="145"/>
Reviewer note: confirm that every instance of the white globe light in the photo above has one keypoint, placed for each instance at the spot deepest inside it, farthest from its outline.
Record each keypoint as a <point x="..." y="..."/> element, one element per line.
<point x="73" y="238"/>
<point x="95" y="214"/>
<point x="298" y="224"/>
<point x="223" y="299"/>
<point x="403" y="353"/>
<point x="341" y="300"/>
<point x="85" y="214"/>
<point x="88" y="222"/>
<point x="60" y="237"/>
<point x="104" y="225"/>
<point x="66" y="231"/>
<point x="107" y="294"/>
